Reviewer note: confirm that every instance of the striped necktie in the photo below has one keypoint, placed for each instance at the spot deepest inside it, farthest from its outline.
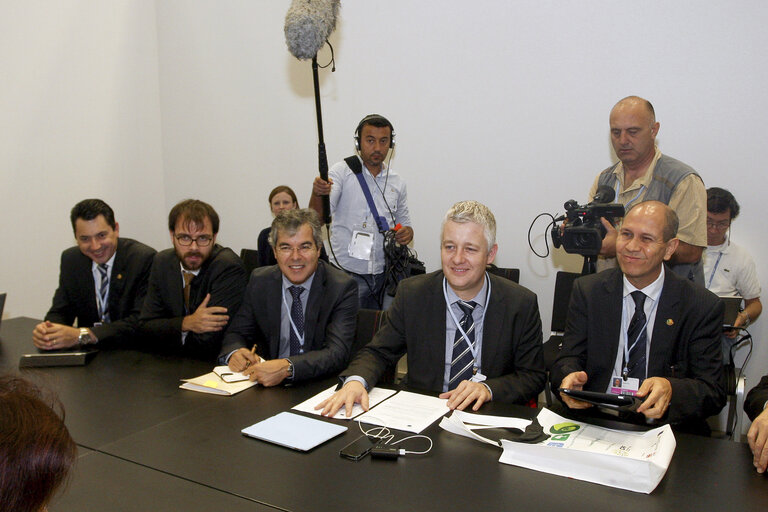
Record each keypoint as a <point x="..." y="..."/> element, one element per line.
<point x="463" y="361"/>
<point x="104" y="292"/>
<point x="637" y="337"/>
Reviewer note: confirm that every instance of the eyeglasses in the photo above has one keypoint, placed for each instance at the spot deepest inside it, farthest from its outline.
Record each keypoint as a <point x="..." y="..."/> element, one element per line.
<point x="719" y="225"/>
<point x="304" y="249"/>
<point x="202" y="240"/>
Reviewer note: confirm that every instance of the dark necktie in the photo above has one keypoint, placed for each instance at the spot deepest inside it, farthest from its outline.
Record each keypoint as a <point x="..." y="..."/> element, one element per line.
<point x="637" y="338"/>
<point x="188" y="277"/>
<point x="462" y="362"/>
<point x="104" y="292"/>
<point x="297" y="315"/>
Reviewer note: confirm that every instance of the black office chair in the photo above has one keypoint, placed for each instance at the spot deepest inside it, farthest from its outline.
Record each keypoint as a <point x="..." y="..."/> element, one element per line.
<point x="563" y="286"/>
<point x="368" y="323"/>
<point x="250" y="259"/>
<point x="513" y="274"/>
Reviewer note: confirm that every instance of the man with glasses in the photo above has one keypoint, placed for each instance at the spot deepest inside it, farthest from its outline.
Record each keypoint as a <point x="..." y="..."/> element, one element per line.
<point x="300" y="314"/>
<point x="102" y="283"/>
<point x="195" y="287"/>
<point x="728" y="269"/>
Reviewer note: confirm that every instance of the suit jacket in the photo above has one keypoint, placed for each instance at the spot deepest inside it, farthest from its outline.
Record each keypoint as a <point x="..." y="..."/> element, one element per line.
<point x="756" y="398"/>
<point x="415" y="323"/>
<point x="329" y="325"/>
<point x="222" y="275"/>
<point x="685" y="343"/>
<point x="75" y="298"/>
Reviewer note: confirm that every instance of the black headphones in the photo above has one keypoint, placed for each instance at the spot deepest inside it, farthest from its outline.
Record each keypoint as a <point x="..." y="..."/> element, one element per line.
<point x="380" y="120"/>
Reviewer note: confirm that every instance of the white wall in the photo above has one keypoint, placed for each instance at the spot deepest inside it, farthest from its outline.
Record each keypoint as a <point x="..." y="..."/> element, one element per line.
<point x="79" y="117"/>
<point x="502" y="101"/>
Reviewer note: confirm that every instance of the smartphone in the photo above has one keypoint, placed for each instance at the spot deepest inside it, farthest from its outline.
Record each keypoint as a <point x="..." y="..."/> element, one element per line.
<point x="358" y="448"/>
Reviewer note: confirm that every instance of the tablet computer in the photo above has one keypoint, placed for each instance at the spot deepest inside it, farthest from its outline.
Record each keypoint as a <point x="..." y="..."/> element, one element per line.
<point x="294" y="431"/>
<point x="604" y="400"/>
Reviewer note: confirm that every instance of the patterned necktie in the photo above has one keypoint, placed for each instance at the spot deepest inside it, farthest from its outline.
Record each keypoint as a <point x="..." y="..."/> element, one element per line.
<point x="297" y="315"/>
<point x="637" y="338"/>
<point x="462" y="362"/>
<point x="188" y="277"/>
<point x="104" y="292"/>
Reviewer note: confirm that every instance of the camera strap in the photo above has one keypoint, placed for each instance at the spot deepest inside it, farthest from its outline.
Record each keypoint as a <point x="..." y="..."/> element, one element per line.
<point x="357" y="169"/>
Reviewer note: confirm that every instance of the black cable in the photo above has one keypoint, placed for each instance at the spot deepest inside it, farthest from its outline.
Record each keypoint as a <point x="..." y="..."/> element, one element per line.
<point x="546" y="232"/>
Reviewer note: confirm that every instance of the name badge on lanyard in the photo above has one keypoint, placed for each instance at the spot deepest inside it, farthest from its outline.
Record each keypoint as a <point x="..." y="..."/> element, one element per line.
<point x="477" y="375"/>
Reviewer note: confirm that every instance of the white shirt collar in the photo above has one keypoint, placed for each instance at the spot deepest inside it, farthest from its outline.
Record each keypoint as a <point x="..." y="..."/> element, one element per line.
<point x="653" y="290"/>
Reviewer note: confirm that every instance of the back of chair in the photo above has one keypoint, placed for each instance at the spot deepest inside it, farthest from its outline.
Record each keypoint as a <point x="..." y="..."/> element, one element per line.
<point x="368" y="323"/>
<point x="513" y="274"/>
<point x="562" y="297"/>
<point x="250" y="259"/>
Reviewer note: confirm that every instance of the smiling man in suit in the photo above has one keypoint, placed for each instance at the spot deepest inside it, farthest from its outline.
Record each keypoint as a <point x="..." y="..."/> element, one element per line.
<point x="194" y="288"/>
<point x="471" y="335"/>
<point x="655" y="334"/>
<point x="102" y="283"/>
<point x="300" y="313"/>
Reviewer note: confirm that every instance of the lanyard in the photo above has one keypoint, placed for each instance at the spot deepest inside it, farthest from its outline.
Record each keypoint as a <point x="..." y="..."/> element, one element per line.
<point x="714" y="269"/>
<point x="290" y="319"/>
<point x="472" y="348"/>
<point x="626" y="205"/>
<point x="627" y="347"/>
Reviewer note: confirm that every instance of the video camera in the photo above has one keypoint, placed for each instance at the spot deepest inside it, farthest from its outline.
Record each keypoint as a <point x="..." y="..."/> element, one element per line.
<point x="583" y="232"/>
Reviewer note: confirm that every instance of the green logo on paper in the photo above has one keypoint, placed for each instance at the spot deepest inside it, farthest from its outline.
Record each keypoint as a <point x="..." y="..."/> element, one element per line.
<point x="563" y="428"/>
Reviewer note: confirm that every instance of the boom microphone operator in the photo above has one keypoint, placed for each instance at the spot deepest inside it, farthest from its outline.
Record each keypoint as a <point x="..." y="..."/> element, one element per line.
<point x="308" y="23"/>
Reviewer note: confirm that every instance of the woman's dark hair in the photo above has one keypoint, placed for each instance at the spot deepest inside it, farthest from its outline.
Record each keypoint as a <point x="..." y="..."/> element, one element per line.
<point x="36" y="450"/>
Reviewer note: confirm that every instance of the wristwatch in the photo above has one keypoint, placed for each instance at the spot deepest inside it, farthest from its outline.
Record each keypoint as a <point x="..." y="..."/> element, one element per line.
<point x="85" y="337"/>
<point x="289" y="369"/>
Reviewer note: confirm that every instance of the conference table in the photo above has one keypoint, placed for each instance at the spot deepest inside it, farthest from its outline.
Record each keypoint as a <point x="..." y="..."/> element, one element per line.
<point x="144" y="444"/>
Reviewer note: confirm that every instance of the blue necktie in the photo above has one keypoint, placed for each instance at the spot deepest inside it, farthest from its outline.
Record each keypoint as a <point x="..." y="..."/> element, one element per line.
<point x="637" y="338"/>
<point x="463" y="361"/>
<point x="297" y="315"/>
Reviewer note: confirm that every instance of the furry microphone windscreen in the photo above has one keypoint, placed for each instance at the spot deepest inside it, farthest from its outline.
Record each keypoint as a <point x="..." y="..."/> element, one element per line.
<point x="308" y="24"/>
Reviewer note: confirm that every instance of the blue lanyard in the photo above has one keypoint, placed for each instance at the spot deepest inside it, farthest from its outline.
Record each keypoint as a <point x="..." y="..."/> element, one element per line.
<point x="714" y="269"/>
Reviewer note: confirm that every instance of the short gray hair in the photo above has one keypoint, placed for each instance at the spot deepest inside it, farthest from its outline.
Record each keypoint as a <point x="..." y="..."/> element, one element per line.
<point x="473" y="211"/>
<point x="290" y="221"/>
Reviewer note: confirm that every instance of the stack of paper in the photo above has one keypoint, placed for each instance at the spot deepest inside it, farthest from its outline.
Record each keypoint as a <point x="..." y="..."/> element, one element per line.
<point x="221" y="381"/>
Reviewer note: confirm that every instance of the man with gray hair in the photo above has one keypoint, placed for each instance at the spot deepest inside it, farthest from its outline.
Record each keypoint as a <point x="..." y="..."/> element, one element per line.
<point x="300" y="314"/>
<point x="641" y="330"/>
<point x="471" y="335"/>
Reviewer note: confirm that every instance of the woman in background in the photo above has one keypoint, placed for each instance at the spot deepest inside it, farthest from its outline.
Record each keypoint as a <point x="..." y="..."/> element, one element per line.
<point x="36" y="450"/>
<point x="281" y="198"/>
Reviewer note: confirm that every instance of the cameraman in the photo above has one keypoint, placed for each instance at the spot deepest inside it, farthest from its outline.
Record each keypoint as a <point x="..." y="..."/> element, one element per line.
<point x="642" y="174"/>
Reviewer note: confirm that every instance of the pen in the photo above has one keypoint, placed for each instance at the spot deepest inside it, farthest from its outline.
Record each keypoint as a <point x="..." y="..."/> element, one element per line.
<point x="253" y="352"/>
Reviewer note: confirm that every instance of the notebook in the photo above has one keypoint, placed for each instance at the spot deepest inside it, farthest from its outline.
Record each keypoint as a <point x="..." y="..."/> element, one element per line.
<point x="294" y="431"/>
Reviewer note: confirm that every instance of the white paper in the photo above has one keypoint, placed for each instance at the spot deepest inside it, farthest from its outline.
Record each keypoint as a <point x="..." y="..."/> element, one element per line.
<point x="636" y="461"/>
<point x="375" y="396"/>
<point x="407" y="411"/>
<point x="228" y="375"/>
<point x="460" y="422"/>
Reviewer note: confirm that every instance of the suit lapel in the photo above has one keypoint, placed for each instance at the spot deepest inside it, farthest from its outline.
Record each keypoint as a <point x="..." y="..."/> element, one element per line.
<point x="610" y="316"/>
<point x="316" y="293"/>
<point x="117" y="277"/>
<point x="664" y="326"/>
<point x="274" y="304"/>
<point x="89" y="289"/>
<point x="494" y="320"/>
<point x="434" y="327"/>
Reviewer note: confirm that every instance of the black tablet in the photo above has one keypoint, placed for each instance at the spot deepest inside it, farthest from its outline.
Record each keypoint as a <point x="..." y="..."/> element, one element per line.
<point x="607" y="400"/>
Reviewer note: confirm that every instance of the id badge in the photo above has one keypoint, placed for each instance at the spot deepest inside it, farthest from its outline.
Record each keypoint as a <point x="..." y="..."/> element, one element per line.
<point x="478" y="377"/>
<point x="619" y="386"/>
<point x="361" y="245"/>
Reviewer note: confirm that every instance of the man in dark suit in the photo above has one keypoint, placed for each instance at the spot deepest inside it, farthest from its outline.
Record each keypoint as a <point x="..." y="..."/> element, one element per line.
<point x="102" y="283"/>
<point x="194" y="287"/>
<point x="658" y="334"/>
<point x="471" y="335"/>
<point x="301" y="312"/>
<point x="755" y="406"/>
